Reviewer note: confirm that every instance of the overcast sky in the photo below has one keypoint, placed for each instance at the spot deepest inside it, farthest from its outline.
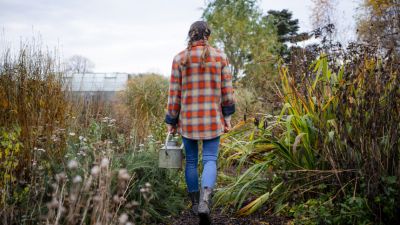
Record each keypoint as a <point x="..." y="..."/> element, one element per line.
<point x="126" y="35"/>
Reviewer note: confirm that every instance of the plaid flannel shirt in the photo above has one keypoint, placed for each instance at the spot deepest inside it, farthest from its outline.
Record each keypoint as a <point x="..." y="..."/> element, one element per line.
<point x="200" y="96"/>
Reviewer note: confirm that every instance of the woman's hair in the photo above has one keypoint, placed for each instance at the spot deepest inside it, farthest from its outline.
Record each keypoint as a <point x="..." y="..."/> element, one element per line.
<point x="199" y="30"/>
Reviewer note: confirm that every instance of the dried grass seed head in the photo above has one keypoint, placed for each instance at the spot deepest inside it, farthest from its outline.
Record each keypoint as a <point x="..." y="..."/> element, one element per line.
<point x="72" y="164"/>
<point x="104" y="163"/>
<point x="123" y="218"/>
<point x="95" y="171"/>
<point x="77" y="179"/>
<point x="61" y="177"/>
<point x="123" y="174"/>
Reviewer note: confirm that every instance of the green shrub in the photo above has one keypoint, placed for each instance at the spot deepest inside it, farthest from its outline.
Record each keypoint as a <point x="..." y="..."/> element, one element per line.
<point x="353" y="210"/>
<point x="247" y="105"/>
<point x="312" y="212"/>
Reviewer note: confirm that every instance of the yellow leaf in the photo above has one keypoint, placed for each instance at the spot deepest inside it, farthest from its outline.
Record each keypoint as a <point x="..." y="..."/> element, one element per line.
<point x="351" y="100"/>
<point x="257" y="203"/>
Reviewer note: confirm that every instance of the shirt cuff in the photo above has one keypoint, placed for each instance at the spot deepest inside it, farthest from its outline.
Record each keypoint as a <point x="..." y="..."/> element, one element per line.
<point x="228" y="110"/>
<point x="170" y="120"/>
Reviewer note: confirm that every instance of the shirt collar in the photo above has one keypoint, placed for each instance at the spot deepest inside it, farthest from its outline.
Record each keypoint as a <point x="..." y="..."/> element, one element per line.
<point x="198" y="43"/>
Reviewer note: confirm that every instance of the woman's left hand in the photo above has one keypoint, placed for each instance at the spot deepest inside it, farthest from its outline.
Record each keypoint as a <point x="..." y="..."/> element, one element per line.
<point x="227" y="126"/>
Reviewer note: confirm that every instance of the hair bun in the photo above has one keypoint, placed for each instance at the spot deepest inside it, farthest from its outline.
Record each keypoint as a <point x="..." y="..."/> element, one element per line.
<point x="199" y="30"/>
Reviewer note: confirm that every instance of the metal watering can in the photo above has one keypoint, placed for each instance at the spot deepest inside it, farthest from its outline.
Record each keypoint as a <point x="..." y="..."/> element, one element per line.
<point x="170" y="155"/>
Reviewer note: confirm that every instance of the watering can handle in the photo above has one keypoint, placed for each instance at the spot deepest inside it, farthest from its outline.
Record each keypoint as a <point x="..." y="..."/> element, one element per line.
<point x="166" y="143"/>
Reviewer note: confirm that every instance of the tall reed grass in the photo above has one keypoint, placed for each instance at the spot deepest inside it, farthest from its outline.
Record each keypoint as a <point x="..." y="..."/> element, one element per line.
<point x="31" y="96"/>
<point x="33" y="111"/>
<point x="145" y="98"/>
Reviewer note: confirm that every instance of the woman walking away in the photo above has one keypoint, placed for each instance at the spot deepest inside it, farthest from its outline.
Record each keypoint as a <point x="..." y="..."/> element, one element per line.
<point x="200" y="105"/>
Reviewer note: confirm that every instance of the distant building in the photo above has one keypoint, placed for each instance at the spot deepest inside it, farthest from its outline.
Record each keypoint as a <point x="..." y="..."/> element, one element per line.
<point x="96" y="84"/>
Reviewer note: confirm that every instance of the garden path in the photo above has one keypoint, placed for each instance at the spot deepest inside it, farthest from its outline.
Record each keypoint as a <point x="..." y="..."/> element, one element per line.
<point x="220" y="218"/>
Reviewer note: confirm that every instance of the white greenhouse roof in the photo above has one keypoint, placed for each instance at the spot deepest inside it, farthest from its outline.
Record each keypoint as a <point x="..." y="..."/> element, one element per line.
<point x="97" y="81"/>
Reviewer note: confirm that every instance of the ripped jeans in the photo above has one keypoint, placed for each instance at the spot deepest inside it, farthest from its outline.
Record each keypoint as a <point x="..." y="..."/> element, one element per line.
<point x="210" y="156"/>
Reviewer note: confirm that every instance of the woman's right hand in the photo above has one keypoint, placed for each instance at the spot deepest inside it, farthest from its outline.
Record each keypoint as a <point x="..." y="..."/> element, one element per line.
<point x="171" y="128"/>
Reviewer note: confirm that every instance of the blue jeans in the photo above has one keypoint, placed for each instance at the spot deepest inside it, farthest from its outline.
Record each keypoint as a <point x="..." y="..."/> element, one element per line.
<point x="210" y="156"/>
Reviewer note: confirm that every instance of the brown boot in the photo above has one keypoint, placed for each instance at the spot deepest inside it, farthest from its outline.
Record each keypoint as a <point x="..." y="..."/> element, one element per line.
<point x="205" y="205"/>
<point x="194" y="198"/>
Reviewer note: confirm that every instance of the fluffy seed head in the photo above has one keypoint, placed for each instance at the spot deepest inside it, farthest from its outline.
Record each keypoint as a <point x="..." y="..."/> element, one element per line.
<point x="123" y="174"/>
<point x="95" y="171"/>
<point x="72" y="164"/>
<point x="123" y="218"/>
<point x="104" y="163"/>
<point x="77" y="179"/>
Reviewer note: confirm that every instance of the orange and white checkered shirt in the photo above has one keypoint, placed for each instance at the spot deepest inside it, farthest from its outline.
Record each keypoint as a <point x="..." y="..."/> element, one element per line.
<point x="200" y="95"/>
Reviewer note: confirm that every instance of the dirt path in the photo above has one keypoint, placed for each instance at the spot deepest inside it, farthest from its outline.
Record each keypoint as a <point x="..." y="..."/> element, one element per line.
<point x="219" y="218"/>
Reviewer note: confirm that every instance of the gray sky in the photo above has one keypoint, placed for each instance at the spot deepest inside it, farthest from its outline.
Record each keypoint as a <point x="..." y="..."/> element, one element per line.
<point x="126" y="35"/>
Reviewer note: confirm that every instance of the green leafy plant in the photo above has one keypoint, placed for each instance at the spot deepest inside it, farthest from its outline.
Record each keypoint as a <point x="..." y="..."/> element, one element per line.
<point x="319" y="140"/>
<point x="10" y="150"/>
